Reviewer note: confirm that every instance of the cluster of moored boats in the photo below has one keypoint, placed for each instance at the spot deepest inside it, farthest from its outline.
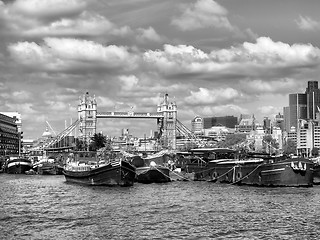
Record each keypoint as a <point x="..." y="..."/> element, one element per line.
<point x="32" y="165"/>
<point x="220" y="165"/>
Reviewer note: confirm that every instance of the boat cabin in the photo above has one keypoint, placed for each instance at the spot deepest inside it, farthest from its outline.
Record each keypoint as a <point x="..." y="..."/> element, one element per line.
<point x="197" y="159"/>
<point x="208" y="154"/>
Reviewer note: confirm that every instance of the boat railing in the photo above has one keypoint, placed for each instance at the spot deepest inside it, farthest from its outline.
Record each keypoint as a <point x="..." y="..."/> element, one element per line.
<point x="80" y="168"/>
<point x="115" y="162"/>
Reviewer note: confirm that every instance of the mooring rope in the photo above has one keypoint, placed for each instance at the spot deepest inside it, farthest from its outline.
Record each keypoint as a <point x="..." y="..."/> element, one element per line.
<point x="246" y="176"/>
<point x="215" y="179"/>
<point x="180" y="175"/>
<point x="163" y="172"/>
<point x="130" y="170"/>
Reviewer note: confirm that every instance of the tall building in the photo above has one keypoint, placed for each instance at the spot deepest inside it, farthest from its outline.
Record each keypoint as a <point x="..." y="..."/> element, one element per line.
<point x="217" y="133"/>
<point x="267" y="125"/>
<point x="197" y="125"/>
<point x="286" y="118"/>
<point x="308" y="137"/>
<point x="246" y="123"/>
<point x="9" y="136"/>
<point x="279" y="121"/>
<point x="313" y="99"/>
<point x="227" y="121"/>
<point x="16" y="116"/>
<point x="302" y="105"/>
<point x="297" y="108"/>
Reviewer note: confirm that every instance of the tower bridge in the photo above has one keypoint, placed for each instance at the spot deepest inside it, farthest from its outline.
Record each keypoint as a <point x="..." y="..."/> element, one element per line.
<point x="129" y="114"/>
<point x="166" y="117"/>
<point x="168" y="126"/>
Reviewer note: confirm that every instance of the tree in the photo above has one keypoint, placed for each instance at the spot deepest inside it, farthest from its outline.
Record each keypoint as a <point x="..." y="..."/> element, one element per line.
<point x="290" y="147"/>
<point x="80" y="145"/>
<point x="270" y="143"/>
<point x="232" y="140"/>
<point x="98" y="140"/>
<point x="315" y="152"/>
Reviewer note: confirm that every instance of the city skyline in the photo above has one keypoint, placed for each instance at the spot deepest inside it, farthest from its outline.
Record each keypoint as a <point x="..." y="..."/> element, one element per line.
<point x="213" y="58"/>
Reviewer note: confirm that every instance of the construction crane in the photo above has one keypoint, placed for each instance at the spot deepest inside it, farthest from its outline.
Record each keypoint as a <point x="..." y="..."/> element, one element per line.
<point x="48" y="124"/>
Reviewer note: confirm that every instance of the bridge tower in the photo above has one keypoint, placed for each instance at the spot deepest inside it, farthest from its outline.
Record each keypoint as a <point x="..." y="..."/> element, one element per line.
<point x="87" y="115"/>
<point x="167" y="125"/>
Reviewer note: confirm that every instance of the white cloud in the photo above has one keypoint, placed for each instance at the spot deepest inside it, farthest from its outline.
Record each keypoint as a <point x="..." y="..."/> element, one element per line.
<point x="248" y="59"/>
<point x="223" y="110"/>
<point x="55" y="105"/>
<point x="212" y="96"/>
<point x="128" y="82"/>
<point x="85" y="25"/>
<point x="177" y="58"/>
<point x="105" y="102"/>
<point x="203" y="14"/>
<point x="61" y="54"/>
<point x="259" y="86"/>
<point x="26" y="109"/>
<point x="57" y="18"/>
<point x="47" y="8"/>
<point x="20" y="95"/>
<point x="269" y="110"/>
<point x="148" y="34"/>
<point x="306" y="23"/>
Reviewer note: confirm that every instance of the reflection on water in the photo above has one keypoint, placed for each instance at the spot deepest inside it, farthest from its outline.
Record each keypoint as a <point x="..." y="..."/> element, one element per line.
<point x="46" y="207"/>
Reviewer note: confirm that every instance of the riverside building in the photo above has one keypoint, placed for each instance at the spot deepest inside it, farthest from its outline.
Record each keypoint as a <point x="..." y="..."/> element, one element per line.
<point x="246" y="123"/>
<point x="197" y="125"/>
<point x="9" y="135"/>
<point x="302" y="106"/>
<point x="308" y="137"/>
<point x="227" y="121"/>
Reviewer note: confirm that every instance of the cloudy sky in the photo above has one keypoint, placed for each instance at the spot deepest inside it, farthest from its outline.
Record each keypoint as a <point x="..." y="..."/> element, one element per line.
<point x="213" y="58"/>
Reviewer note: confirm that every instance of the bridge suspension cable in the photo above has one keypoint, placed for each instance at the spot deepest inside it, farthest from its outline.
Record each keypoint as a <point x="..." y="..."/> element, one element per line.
<point x="61" y="135"/>
<point x="46" y="145"/>
<point x="48" y="124"/>
<point x="184" y="131"/>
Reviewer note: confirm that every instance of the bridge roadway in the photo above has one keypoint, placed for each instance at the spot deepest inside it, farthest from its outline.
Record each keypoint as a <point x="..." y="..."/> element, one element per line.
<point x="129" y="115"/>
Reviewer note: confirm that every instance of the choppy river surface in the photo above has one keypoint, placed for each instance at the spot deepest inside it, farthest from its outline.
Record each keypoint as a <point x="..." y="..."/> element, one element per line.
<point x="46" y="207"/>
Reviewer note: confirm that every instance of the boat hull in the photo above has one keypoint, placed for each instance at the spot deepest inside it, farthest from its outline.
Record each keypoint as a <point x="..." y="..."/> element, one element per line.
<point x="153" y="174"/>
<point x="288" y="173"/>
<point x="49" y="169"/>
<point x="107" y="175"/>
<point x="18" y="166"/>
<point x="316" y="174"/>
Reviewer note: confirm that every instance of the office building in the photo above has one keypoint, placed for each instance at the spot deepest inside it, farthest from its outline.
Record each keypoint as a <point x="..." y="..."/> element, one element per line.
<point x="246" y="123"/>
<point x="267" y="125"/>
<point x="308" y="137"/>
<point x="227" y="121"/>
<point x="197" y="125"/>
<point x="286" y="118"/>
<point x="313" y="99"/>
<point x="9" y="136"/>
<point x="297" y="108"/>
<point x="279" y="121"/>
<point x="218" y="133"/>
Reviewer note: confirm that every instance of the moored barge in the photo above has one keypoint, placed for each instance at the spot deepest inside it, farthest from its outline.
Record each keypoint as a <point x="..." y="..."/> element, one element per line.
<point x="111" y="171"/>
<point x="254" y="169"/>
<point x="151" y="169"/>
<point x="18" y="165"/>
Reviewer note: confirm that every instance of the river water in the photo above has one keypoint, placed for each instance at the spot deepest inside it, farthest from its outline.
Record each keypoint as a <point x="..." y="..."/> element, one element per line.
<point x="46" y="207"/>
